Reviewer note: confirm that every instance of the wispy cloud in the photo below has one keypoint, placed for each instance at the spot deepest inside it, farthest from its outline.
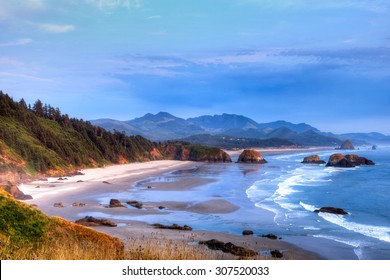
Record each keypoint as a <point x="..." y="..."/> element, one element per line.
<point x="24" y="76"/>
<point x="164" y="66"/>
<point x="55" y="28"/>
<point x="154" y="17"/>
<point x="115" y="4"/>
<point x="18" y="42"/>
<point x="6" y="62"/>
<point x="377" y="6"/>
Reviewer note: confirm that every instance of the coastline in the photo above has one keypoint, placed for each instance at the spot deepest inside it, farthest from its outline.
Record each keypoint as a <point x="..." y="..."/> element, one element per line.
<point x="120" y="178"/>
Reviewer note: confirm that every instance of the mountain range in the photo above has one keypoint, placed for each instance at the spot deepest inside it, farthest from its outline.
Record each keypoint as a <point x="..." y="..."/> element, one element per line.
<point x="38" y="140"/>
<point x="217" y="129"/>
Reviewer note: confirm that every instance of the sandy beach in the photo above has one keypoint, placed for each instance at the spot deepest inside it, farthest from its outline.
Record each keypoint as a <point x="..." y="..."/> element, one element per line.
<point x="86" y="189"/>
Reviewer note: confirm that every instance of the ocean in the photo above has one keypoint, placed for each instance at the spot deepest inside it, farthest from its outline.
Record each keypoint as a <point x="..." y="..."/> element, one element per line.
<point x="280" y="197"/>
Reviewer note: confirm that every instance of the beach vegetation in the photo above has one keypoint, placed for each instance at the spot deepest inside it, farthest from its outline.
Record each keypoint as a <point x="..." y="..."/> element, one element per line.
<point x="27" y="234"/>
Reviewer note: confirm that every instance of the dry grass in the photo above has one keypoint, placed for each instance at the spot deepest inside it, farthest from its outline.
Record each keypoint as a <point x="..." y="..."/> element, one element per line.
<point x="153" y="248"/>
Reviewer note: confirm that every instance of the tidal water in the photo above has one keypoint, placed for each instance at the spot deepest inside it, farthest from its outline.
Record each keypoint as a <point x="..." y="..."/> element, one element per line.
<point x="280" y="198"/>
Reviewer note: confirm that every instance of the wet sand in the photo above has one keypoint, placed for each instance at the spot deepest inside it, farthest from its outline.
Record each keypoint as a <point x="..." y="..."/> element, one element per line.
<point x="120" y="178"/>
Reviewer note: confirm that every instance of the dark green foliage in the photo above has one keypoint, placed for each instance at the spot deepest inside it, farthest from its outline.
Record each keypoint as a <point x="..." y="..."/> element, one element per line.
<point x="48" y="140"/>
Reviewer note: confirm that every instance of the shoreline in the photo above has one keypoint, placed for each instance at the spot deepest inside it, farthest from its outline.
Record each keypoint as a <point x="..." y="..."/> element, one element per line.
<point x="276" y="151"/>
<point x="120" y="178"/>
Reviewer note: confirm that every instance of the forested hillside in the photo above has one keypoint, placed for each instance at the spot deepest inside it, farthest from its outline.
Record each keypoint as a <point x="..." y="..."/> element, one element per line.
<point x="39" y="139"/>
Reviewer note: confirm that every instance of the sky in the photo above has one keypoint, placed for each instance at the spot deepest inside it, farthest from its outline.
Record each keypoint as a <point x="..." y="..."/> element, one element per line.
<point x="322" y="62"/>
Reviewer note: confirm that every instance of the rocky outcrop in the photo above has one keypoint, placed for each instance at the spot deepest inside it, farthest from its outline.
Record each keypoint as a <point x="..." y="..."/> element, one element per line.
<point x="251" y="156"/>
<point x="347" y="145"/>
<point x="58" y="205"/>
<point x="314" y="159"/>
<point x="374" y="147"/>
<point x="194" y="152"/>
<point x="78" y="204"/>
<point x="276" y="254"/>
<point x="174" y="226"/>
<point x="15" y="192"/>
<point x="332" y="210"/>
<point x="115" y="203"/>
<point x="270" y="236"/>
<point x="229" y="247"/>
<point x="339" y="160"/>
<point x="90" y="221"/>
<point x="135" y="204"/>
<point x="247" y="232"/>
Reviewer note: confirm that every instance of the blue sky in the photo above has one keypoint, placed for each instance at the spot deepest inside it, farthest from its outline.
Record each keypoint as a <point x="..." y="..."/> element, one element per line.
<point x="323" y="62"/>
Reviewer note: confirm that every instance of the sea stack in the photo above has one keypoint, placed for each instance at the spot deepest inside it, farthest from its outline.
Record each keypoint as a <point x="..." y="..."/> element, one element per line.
<point x="314" y="159"/>
<point x="339" y="160"/>
<point x="251" y="156"/>
<point x="347" y="145"/>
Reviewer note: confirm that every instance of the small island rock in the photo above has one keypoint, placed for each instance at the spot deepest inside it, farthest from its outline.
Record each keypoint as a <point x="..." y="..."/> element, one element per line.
<point x="247" y="232"/>
<point x="314" y="159"/>
<point x="332" y="210"/>
<point x="347" y="145"/>
<point x="251" y="156"/>
<point x="339" y="160"/>
<point x="115" y="203"/>
<point x="135" y="204"/>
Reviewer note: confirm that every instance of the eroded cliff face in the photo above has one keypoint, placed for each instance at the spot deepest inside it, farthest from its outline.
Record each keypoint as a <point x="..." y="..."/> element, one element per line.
<point x="251" y="156"/>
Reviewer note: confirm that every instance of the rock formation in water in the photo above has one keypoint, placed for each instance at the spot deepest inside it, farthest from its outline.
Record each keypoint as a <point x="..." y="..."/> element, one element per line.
<point x="347" y="145"/>
<point x="314" y="159"/>
<point x="251" y="156"/>
<point x="339" y="160"/>
<point x="332" y="210"/>
<point x="115" y="203"/>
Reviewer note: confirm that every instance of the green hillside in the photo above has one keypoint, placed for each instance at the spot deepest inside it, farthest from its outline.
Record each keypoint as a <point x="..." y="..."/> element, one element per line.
<point x="39" y="139"/>
<point x="27" y="233"/>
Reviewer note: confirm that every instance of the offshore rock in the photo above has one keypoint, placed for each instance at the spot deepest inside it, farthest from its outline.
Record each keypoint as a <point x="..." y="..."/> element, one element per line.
<point x="339" y="160"/>
<point x="347" y="145"/>
<point x="332" y="210"/>
<point x="314" y="159"/>
<point x="115" y="203"/>
<point x="270" y="236"/>
<point x="251" y="156"/>
<point x="135" y="204"/>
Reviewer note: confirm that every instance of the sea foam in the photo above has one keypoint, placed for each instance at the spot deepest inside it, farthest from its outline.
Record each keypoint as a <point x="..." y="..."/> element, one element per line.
<point x="379" y="232"/>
